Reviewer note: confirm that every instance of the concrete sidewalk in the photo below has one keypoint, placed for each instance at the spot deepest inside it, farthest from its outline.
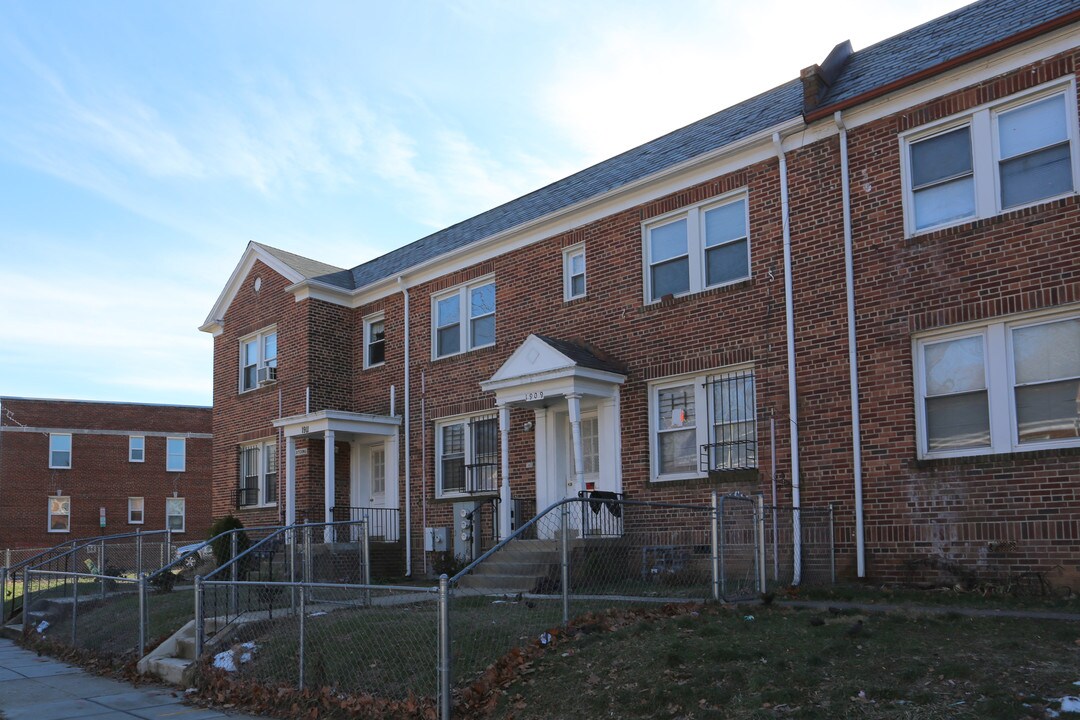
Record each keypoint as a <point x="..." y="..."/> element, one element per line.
<point x="40" y="688"/>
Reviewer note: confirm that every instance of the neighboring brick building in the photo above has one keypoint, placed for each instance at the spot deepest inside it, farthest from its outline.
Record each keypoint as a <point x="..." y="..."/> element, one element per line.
<point x="62" y="461"/>
<point x="646" y="312"/>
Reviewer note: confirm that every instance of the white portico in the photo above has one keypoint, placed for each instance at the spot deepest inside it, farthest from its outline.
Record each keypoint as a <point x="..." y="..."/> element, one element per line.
<point x="366" y="434"/>
<point x="574" y="395"/>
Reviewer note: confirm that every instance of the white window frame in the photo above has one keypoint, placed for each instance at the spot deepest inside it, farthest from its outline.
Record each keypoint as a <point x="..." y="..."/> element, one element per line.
<point x="985" y="153"/>
<point x="170" y="454"/>
<point x="70" y="451"/>
<point x="51" y="514"/>
<point x="262" y="361"/>
<point x="703" y="425"/>
<point x="183" y="515"/>
<point x="140" y="441"/>
<point x="141" y="509"/>
<point x="569" y="254"/>
<point x="695" y="243"/>
<point x="369" y="323"/>
<point x="1000" y="378"/>
<point x="264" y="452"/>
<point x="465" y="320"/>
<point x="469" y="454"/>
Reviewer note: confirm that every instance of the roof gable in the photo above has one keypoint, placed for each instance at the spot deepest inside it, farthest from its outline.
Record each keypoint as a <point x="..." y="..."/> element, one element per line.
<point x="254" y="252"/>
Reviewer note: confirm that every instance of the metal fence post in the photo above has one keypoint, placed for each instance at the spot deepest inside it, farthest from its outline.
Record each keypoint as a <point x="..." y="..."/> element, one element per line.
<point x="759" y="512"/>
<point x="564" y="552"/>
<point x="303" y="617"/>
<point x="307" y="553"/>
<point x="832" y="546"/>
<point x="101" y="566"/>
<point x="715" y="548"/>
<point x="3" y="592"/>
<point x="142" y="614"/>
<point x="138" y="552"/>
<point x="26" y="600"/>
<point x="234" y="589"/>
<point x="74" y="612"/>
<point x="444" y="647"/>
<point x="291" y="537"/>
<point x="200" y="621"/>
<point x="366" y="540"/>
<point x="720" y="543"/>
<point x="7" y="557"/>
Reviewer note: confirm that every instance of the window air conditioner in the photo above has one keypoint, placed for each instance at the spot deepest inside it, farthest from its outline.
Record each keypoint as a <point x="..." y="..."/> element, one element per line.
<point x="267" y="375"/>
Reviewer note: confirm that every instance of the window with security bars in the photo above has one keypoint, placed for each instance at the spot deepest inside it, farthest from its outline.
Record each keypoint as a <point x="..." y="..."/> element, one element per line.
<point x="468" y="455"/>
<point x="258" y="475"/>
<point x="733" y="428"/>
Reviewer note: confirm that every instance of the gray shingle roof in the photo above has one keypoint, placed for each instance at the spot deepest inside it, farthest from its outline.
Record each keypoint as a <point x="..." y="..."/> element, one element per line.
<point x="311" y="269"/>
<point x="582" y="356"/>
<point x="940" y="40"/>
<point x="898" y="57"/>
<point x="723" y="128"/>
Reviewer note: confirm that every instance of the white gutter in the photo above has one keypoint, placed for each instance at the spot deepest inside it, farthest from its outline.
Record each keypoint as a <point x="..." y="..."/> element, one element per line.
<point x="408" y="487"/>
<point x="793" y="409"/>
<point x="853" y="368"/>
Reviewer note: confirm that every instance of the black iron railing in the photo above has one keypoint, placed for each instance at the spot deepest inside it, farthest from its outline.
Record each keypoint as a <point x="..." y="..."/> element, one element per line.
<point x="382" y="522"/>
<point x="601" y="513"/>
<point x="246" y="497"/>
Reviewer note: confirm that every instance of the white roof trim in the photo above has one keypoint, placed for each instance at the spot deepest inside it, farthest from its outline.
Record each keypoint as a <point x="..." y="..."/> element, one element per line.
<point x="253" y="252"/>
<point x="319" y="422"/>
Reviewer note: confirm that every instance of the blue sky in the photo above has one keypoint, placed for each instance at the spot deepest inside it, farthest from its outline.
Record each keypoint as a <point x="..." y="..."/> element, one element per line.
<point x="142" y="145"/>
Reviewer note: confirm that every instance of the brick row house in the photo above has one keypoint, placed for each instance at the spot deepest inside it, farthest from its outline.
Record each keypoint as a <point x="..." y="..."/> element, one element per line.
<point x="862" y="284"/>
<point x="73" y="469"/>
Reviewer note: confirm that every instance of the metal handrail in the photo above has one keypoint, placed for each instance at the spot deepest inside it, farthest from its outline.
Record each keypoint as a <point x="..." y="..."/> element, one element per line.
<point x="101" y="540"/>
<point x="205" y="543"/>
<point x="565" y="501"/>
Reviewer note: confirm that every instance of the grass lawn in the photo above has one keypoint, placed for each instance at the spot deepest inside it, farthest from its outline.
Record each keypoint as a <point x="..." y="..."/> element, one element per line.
<point x="803" y="664"/>
<point x="110" y="627"/>
<point x="1025" y="597"/>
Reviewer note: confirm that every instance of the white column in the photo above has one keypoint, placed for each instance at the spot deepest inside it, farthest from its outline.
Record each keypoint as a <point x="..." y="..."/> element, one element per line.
<point x="504" y="471"/>
<point x="290" y="481"/>
<point x="574" y="401"/>
<point x="328" y="481"/>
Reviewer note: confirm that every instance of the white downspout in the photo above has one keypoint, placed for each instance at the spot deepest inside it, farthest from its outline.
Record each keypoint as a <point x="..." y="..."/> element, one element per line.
<point x="853" y="368"/>
<point x="793" y="409"/>
<point x="408" y="439"/>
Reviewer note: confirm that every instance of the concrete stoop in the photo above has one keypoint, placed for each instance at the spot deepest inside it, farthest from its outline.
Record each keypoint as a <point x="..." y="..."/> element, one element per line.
<point x="525" y="566"/>
<point x="173" y="661"/>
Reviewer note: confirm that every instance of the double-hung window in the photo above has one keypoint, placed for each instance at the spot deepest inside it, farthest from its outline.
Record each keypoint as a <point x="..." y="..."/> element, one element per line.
<point x="258" y="359"/>
<point x="136" y="448"/>
<point x="374" y="341"/>
<point x="703" y="424"/>
<point x="1000" y="387"/>
<point x="463" y="318"/>
<point x="467" y="455"/>
<point x="136" y="508"/>
<point x="992" y="159"/>
<point x="705" y="246"/>
<point x="60" y="513"/>
<point x="175" y="514"/>
<point x="258" y="475"/>
<point x="175" y="454"/>
<point x="60" y="451"/>
<point x="574" y="272"/>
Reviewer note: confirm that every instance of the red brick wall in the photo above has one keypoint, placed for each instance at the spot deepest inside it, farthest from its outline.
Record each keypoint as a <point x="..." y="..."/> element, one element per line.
<point x="950" y="510"/>
<point x="921" y="514"/>
<point x="100" y="473"/>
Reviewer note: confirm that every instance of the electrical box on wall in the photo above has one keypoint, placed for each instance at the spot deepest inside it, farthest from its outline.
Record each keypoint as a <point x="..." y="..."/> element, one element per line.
<point x="436" y="539"/>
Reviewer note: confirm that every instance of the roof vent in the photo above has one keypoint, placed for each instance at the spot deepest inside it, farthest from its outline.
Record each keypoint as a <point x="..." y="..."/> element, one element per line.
<point x="817" y="79"/>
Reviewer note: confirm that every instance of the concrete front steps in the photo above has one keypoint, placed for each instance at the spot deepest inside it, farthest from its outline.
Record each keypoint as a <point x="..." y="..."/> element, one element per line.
<point x="524" y="566"/>
<point x="173" y="661"/>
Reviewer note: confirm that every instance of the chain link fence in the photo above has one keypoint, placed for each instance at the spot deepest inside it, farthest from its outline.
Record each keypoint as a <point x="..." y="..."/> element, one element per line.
<point x="12" y="573"/>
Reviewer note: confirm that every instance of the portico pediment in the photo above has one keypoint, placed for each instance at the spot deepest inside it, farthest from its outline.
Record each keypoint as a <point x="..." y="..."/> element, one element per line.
<point x="542" y="367"/>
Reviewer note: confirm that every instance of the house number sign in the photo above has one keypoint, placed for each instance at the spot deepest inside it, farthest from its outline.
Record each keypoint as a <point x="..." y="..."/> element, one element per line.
<point x="534" y="396"/>
<point x="304" y="429"/>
